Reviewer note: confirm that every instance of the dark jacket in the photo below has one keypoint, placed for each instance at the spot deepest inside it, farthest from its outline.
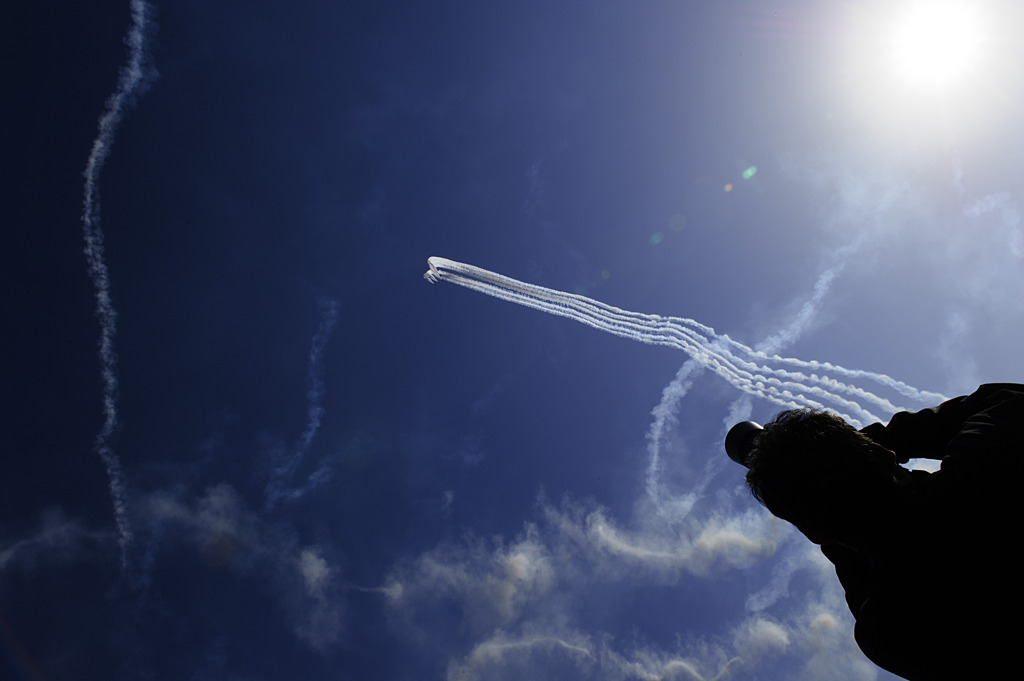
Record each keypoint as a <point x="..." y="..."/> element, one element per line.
<point x="939" y="594"/>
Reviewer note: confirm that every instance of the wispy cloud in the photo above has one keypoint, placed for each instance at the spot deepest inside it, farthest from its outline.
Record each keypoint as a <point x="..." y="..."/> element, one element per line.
<point x="225" y="533"/>
<point x="507" y="657"/>
<point x="518" y="604"/>
<point x="953" y="349"/>
<point x="59" y="539"/>
<point x="535" y="194"/>
<point x="953" y="258"/>
<point x="987" y="252"/>
<point x="1007" y="220"/>
<point x="135" y="76"/>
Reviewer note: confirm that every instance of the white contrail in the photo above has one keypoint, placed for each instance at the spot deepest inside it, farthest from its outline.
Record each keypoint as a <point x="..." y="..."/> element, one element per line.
<point x="674" y="392"/>
<point x="283" y="472"/>
<point x="133" y="79"/>
<point x="808" y="311"/>
<point x="782" y="380"/>
<point x="664" y="420"/>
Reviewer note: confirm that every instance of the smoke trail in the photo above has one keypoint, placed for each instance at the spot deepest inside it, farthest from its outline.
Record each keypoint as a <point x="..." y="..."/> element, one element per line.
<point x="314" y="377"/>
<point x="283" y="472"/>
<point x="133" y="79"/>
<point x="674" y="392"/>
<point x="780" y="380"/>
<point x="664" y="420"/>
<point x="779" y="340"/>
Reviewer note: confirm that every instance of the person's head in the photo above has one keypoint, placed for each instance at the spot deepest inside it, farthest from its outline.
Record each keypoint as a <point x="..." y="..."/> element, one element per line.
<point x="815" y="470"/>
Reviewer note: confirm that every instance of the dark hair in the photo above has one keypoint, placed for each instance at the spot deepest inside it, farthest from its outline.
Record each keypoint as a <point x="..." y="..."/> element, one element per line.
<point x="808" y="461"/>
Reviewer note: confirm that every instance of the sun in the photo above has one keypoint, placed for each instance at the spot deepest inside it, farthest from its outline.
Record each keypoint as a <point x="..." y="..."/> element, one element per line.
<point x="923" y="72"/>
<point x="936" y="43"/>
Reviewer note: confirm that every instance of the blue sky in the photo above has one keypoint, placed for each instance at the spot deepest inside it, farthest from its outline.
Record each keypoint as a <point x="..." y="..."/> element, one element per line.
<point x="297" y="459"/>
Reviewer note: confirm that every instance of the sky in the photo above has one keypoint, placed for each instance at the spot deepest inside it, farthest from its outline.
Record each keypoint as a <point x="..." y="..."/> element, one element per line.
<point x="245" y="440"/>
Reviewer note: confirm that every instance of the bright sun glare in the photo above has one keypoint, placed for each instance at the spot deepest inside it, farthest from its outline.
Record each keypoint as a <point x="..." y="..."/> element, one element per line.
<point x="936" y="42"/>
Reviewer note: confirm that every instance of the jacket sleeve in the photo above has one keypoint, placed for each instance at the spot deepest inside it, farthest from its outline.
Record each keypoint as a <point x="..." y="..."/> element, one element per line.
<point x="853" y="573"/>
<point x="991" y="419"/>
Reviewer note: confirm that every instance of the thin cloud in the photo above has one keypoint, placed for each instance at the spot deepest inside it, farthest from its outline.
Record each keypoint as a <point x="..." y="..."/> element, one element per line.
<point x="539" y="656"/>
<point x="517" y="603"/>
<point x="535" y="195"/>
<point x="492" y="585"/>
<point x="757" y="647"/>
<point x="225" y="534"/>
<point x="1008" y="219"/>
<point x="956" y="255"/>
<point x="952" y="350"/>
<point x="58" y="539"/>
<point x="986" y="252"/>
<point x="699" y="547"/>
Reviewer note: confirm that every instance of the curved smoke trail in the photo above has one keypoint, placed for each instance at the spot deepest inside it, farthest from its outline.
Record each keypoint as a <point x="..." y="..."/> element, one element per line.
<point x="134" y="77"/>
<point x="284" y="471"/>
<point x="665" y="412"/>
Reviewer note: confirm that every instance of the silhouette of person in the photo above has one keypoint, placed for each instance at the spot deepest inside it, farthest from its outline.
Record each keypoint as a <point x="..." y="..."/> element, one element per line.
<point x="930" y="562"/>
